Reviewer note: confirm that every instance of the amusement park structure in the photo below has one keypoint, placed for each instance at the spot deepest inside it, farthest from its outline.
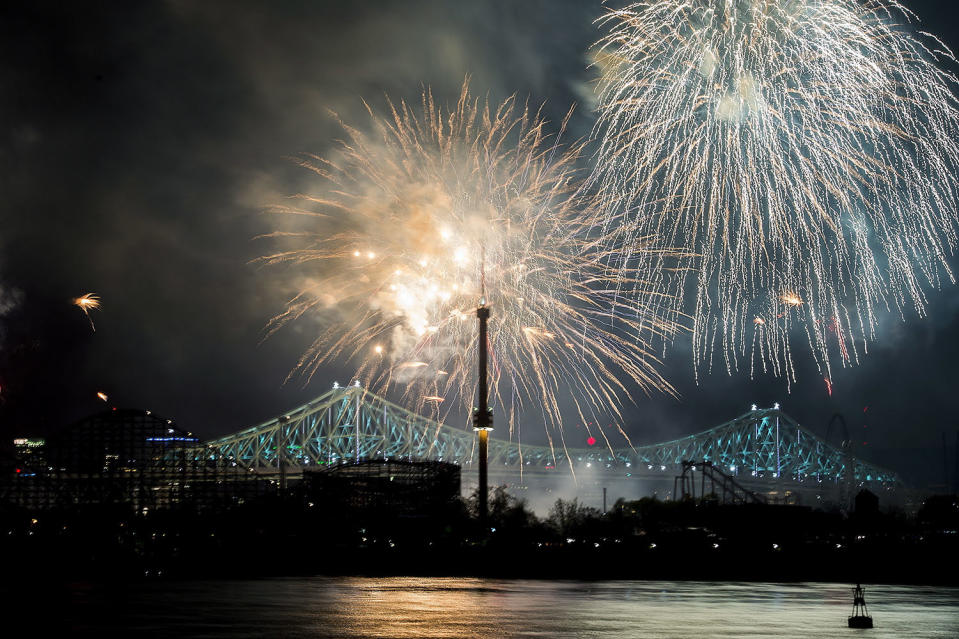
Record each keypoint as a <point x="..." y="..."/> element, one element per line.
<point x="759" y="449"/>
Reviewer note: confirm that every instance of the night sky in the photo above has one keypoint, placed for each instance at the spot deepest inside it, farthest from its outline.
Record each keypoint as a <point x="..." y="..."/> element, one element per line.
<point x="141" y="143"/>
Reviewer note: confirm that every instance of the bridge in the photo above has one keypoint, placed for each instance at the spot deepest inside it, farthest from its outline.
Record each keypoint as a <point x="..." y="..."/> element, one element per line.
<point x="763" y="447"/>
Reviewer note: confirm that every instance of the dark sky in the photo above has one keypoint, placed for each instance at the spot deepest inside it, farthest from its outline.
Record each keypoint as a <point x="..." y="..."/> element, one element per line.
<point x="140" y="144"/>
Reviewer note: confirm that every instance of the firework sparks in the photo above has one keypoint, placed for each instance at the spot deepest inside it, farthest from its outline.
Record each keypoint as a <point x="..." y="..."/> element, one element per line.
<point x="807" y="146"/>
<point x="791" y="299"/>
<point x="87" y="303"/>
<point x="438" y="206"/>
<point x="102" y="396"/>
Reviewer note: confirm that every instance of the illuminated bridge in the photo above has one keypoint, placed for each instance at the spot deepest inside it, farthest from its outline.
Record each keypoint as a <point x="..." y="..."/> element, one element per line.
<point x="762" y="447"/>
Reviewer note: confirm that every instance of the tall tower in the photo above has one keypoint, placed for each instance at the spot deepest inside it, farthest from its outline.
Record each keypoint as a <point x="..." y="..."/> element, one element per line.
<point x="482" y="414"/>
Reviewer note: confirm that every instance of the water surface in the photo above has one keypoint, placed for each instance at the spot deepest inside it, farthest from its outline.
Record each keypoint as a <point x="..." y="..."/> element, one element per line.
<point x="458" y="607"/>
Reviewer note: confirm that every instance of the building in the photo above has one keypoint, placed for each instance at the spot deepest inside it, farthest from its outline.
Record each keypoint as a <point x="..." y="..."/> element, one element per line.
<point x="386" y="488"/>
<point x="124" y="458"/>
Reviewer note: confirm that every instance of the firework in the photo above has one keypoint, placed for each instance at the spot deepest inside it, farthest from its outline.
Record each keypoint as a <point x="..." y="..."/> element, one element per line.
<point x="803" y="151"/>
<point x="87" y="303"/>
<point x="418" y="219"/>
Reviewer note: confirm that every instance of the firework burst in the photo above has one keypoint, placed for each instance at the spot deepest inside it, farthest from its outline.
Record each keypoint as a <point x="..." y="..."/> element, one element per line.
<point x="418" y="219"/>
<point x="87" y="303"/>
<point x="804" y="151"/>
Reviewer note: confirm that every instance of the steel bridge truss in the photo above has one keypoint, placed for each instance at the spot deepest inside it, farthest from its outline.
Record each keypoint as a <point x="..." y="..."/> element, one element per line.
<point x="352" y="424"/>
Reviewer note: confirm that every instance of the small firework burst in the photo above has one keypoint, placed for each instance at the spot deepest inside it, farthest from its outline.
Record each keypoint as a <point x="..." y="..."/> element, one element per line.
<point x="86" y="303"/>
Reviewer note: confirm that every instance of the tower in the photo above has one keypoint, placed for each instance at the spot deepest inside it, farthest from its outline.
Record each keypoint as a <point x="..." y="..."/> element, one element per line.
<point x="482" y="414"/>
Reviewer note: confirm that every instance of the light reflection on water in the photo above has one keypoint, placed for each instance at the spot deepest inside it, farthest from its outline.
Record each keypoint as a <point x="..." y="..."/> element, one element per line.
<point x="457" y="607"/>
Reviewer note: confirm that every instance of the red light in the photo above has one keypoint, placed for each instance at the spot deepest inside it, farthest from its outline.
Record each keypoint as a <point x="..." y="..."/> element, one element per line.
<point x="18" y="470"/>
<point x="591" y="440"/>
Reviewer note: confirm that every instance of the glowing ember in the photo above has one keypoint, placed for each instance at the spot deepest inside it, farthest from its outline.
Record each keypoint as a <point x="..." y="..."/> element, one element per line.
<point x="87" y="303"/>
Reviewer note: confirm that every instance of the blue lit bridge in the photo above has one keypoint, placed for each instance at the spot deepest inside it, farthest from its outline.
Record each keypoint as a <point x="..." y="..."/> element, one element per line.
<point x="762" y="448"/>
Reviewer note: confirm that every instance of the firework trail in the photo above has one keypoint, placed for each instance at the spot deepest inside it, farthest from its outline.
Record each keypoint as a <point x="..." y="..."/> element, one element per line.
<point x="87" y="303"/>
<point x="804" y="151"/>
<point x="390" y="258"/>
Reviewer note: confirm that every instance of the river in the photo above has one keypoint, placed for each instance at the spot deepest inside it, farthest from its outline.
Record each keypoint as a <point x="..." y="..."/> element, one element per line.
<point x="458" y="607"/>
